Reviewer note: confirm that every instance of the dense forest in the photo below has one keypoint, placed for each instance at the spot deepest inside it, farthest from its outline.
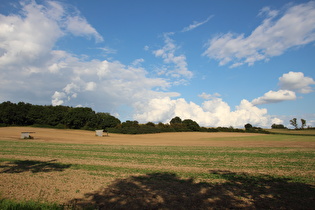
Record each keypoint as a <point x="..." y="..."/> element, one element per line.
<point x="25" y="114"/>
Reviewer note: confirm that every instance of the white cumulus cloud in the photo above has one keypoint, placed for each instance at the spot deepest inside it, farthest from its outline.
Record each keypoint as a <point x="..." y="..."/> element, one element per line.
<point x="296" y="81"/>
<point x="27" y="40"/>
<point x="111" y="83"/>
<point x="275" y="97"/>
<point x="57" y="98"/>
<point x="275" y="35"/>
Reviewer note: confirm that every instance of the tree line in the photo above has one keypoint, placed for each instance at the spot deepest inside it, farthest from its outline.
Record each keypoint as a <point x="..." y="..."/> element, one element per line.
<point x="26" y="114"/>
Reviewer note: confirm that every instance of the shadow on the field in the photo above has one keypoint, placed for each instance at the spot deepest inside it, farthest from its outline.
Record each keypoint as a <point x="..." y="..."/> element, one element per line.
<point x="168" y="191"/>
<point x="19" y="166"/>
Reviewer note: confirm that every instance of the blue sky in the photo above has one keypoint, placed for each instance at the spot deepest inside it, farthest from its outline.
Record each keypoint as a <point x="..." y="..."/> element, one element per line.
<point x="220" y="63"/>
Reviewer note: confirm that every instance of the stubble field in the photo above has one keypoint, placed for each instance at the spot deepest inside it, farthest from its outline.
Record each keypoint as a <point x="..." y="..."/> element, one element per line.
<point x="158" y="171"/>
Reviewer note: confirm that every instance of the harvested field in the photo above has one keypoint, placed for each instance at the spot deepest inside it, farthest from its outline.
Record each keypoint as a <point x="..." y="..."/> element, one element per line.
<point x="158" y="171"/>
<point x="161" y="139"/>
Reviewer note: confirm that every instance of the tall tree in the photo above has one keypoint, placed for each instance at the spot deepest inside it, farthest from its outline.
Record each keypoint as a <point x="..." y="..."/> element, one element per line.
<point x="293" y="122"/>
<point x="303" y="123"/>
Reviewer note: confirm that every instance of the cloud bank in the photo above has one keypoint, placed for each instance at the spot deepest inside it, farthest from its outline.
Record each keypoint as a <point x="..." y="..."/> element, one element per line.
<point x="213" y="113"/>
<point x="276" y="34"/>
<point x="31" y="67"/>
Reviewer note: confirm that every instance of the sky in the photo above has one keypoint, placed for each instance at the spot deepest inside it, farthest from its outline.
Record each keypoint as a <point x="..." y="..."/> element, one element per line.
<point x="217" y="62"/>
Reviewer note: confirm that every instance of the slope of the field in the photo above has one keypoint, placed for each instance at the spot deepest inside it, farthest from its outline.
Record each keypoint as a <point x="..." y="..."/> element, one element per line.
<point x="160" y="139"/>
